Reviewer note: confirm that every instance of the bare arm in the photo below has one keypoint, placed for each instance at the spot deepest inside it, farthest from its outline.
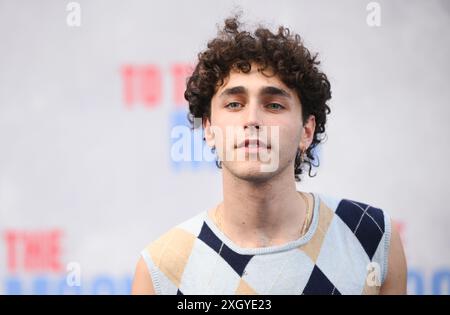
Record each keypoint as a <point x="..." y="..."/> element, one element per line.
<point x="395" y="282"/>
<point x="142" y="282"/>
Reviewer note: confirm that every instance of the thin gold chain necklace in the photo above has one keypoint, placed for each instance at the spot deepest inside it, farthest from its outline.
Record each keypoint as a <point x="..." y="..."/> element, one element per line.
<point x="305" y="225"/>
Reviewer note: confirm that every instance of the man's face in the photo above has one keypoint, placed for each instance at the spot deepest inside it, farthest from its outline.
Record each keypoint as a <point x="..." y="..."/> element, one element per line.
<point x="256" y="125"/>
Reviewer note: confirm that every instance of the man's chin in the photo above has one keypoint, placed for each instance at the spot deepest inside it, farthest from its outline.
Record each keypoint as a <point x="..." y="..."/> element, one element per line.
<point x="254" y="171"/>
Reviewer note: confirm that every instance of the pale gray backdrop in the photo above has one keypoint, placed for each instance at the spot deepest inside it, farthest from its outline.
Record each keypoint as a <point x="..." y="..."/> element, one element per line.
<point x="75" y="157"/>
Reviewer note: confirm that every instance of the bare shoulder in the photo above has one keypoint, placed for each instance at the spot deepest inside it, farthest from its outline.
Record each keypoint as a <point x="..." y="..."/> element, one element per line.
<point x="395" y="282"/>
<point x="142" y="282"/>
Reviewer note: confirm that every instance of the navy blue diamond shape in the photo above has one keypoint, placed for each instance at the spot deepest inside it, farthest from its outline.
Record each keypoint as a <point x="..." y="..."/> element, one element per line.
<point x="318" y="284"/>
<point x="369" y="232"/>
<point x="237" y="261"/>
<point x="369" y="235"/>
<point x="350" y="213"/>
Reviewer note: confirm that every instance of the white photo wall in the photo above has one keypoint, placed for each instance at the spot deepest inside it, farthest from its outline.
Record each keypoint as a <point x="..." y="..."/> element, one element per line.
<point x="90" y="92"/>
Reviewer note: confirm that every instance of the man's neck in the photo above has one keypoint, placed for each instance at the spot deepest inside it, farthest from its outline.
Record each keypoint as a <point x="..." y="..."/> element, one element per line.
<point x="260" y="214"/>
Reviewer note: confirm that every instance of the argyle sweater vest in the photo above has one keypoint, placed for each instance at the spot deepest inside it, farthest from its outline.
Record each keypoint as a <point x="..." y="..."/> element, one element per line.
<point x="345" y="251"/>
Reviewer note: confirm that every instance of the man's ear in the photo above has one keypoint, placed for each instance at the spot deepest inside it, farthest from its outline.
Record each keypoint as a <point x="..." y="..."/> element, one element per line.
<point x="208" y="132"/>
<point x="308" y="133"/>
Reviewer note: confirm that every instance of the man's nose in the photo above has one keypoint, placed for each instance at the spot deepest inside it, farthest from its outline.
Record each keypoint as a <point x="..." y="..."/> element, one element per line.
<point x="252" y="117"/>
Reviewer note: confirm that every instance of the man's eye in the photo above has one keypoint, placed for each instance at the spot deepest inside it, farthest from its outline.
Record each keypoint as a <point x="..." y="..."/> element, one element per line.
<point x="233" y="105"/>
<point x="275" y="106"/>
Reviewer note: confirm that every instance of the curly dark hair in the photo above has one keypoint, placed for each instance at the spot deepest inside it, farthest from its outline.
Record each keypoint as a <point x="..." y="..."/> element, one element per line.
<point x="282" y="52"/>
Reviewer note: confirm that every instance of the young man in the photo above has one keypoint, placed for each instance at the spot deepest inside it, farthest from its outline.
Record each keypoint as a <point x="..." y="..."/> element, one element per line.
<point x="263" y="104"/>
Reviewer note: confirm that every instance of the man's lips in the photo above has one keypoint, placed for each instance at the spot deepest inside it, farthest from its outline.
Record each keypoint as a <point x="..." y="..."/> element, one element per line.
<point x="252" y="143"/>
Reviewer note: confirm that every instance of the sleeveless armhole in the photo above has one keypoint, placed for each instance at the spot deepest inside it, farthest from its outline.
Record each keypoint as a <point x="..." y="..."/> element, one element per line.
<point x="387" y="244"/>
<point x="152" y="269"/>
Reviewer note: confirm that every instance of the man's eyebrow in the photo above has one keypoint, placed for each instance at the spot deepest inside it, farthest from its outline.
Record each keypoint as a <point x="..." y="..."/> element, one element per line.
<point x="233" y="91"/>
<point x="272" y="90"/>
<point x="267" y="90"/>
